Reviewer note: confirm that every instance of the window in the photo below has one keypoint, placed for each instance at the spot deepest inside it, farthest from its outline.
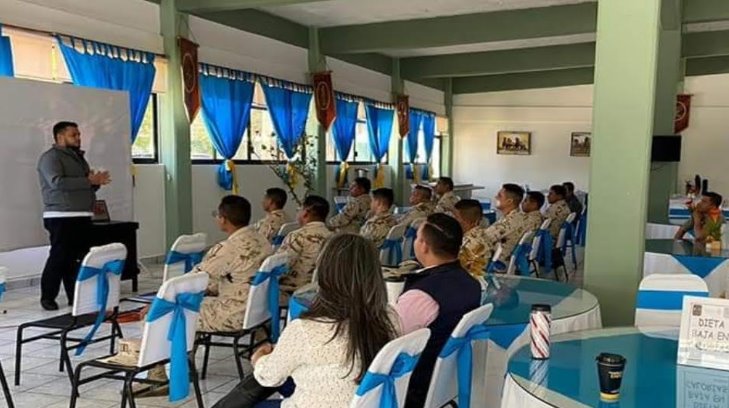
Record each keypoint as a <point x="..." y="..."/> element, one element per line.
<point x="435" y="157"/>
<point x="145" y="147"/>
<point x="360" y="152"/>
<point x="201" y="148"/>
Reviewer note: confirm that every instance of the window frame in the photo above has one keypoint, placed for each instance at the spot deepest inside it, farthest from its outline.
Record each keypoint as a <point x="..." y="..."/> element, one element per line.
<point x="356" y="162"/>
<point x="155" y="134"/>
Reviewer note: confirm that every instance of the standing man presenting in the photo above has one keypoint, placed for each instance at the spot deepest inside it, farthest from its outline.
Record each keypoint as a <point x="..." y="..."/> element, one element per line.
<point x="69" y="188"/>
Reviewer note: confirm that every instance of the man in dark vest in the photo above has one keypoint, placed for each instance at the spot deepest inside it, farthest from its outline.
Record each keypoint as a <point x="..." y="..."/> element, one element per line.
<point x="435" y="297"/>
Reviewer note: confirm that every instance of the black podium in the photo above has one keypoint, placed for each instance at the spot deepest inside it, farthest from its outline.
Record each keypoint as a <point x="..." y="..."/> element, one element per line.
<point x="124" y="232"/>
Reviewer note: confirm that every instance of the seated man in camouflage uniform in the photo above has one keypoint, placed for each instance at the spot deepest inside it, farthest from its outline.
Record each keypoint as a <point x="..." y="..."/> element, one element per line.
<point x="475" y="252"/>
<point x="422" y="205"/>
<point x="273" y="203"/>
<point x="353" y="214"/>
<point x="447" y="199"/>
<point x="532" y="204"/>
<point x="509" y="229"/>
<point x="303" y="245"/>
<point x="558" y="210"/>
<point x="382" y="220"/>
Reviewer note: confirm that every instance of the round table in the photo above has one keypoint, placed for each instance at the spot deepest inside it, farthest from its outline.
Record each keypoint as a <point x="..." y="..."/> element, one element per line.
<point x="573" y="309"/>
<point x="651" y="377"/>
<point x="671" y="256"/>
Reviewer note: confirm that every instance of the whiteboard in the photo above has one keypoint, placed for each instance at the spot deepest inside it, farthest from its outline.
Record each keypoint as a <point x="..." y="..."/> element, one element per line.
<point x="28" y="111"/>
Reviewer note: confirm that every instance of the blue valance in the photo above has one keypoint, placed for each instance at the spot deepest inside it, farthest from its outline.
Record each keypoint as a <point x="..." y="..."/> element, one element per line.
<point x="6" y="56"/>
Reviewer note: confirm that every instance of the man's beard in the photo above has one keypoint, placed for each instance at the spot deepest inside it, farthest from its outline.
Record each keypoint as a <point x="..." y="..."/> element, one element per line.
<point x="76" y="149"/>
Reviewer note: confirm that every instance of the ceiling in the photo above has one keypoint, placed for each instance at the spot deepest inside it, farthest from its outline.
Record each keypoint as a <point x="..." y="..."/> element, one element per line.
<point x="471" y="45"/>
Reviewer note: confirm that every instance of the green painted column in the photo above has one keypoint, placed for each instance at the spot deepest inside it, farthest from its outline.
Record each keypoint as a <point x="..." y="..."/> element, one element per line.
<point x="625" y="77"/>
<point x="175" y="130"/>
<point x="446" y="160"/>
<point x="395" y="152"/>
<point x="669" y="81"/>
<point x="318" y="63"/>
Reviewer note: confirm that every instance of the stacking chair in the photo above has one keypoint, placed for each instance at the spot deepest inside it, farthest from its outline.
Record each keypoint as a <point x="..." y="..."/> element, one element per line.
<point x="660" y="298"/>
<point x="102" y="267"/>
<point x="566" y="240"/>
<point x="282" y="232"/>
<point x="186" y="252"/>
<point x="537" y="242"/>
<point x="262" y="308"/>
<point x="386" y="382"/>
<point x="519" y="259"/>
<point x="581" y="229"/>
<point x="168" y="337"/>
<point x="391" y="249"/>
<point x="340" y="202"/>
<point x="463" y="355"/>
<point x="495" y="265"/>
<point x="3" y="380"/>
<point x="408" y="242"/>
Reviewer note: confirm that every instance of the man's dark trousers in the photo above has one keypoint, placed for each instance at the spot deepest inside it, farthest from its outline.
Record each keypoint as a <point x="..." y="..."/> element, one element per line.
<point x="69" y="245"/>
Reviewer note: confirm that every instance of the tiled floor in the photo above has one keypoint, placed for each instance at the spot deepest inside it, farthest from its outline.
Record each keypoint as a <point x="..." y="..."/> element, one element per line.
<point x="42" y="385"/>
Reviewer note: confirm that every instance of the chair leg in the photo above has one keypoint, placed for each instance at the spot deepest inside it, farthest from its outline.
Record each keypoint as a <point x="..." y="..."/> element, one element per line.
<point x="195" y="382"/>
<point x="65" y="358"/>
<point x="236" y="355"/>
<point x="18" y="353"/>
<point x="115" y="332"/>
<point x="206" y="356"/>
<point x="128" y="389"/>
<point x="6" y="389"/>
<point x="75" y="383"/>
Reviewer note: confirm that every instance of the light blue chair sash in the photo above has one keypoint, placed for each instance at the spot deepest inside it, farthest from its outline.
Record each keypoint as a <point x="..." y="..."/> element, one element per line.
<point x="491" y="268"/>
<point x="394" y="250"/>
<point x="102" y="293"/>
<point x="404" y="364"/>
<point x="521" y="258"/>
<point x="273" y="295"/>
<point x="582" y="230"/>
<point x="2" y="290"/>
<point x="296" y="309"/>
<point x="462" y="346"/>
<point x="569" y="229"/>
<point x="277" y="240"/>
<point x="545" y="248"/>
<point x="410" y="234"/>
<point x="190" y="259"/>
<point x="177" y="336"/>
<point x="663" y="299"/>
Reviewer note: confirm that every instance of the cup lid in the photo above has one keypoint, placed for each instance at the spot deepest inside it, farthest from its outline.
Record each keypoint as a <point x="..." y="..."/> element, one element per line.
<point x="541" y="308"/>
<point x="610" y="358"/>
<point x="395" y="278"/>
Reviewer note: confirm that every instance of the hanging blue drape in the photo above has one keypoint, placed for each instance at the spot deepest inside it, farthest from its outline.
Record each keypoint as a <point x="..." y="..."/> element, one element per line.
<point x="345" y="127"/>
<point x="428" y="139"/>
<point x="416" y="119"/>
<point x="100" y="65"/>
<point x="6" y="56"/>
<point x="379" y="125"/>
<point x="289" y="109"/>
<point x="226" y="98"/>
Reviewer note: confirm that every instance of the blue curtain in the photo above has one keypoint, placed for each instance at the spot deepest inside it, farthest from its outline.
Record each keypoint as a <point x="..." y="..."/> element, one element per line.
<point x="100" y="65"/>
<point x="379" y="125"/>
<point x="6" y="56"/>
<point x="288" y="109"/>
<point x="428" y="139"/>
<point x="226" y="105"/>
<point x="416" y="119"/>
<point x="345" y="127"/>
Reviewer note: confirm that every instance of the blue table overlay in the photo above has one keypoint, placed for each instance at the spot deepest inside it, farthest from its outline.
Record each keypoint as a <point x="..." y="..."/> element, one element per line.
<point x="693" y="256"/>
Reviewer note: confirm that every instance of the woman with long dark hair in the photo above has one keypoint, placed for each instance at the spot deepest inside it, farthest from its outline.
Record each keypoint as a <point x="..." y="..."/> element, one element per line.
<point x="328" y="350"/>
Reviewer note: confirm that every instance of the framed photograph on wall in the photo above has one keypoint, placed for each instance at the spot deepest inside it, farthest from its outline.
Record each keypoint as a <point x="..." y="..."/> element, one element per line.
<point x="580" y="143"/>
<point x="514" y="143"/>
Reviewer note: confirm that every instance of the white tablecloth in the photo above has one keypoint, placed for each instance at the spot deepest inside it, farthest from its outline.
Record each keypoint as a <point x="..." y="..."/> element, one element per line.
<point x="717" y="280"/>
<point x="517" y="397"/>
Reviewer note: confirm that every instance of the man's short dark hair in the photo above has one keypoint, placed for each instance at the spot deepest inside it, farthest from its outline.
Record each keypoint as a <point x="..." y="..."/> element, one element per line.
<point x="364" y="183"/>
<point x="443" y="235"/>
<point x="425" y="190"/>
<point x="715" y="198"/>
<point x="570" y="186"/>
<point x="559" y="189"/>
<point x="317" y="206"/>
<point x="59" y="127"/>
<point x="277" y="196"/>
<point x="384" y="194"/>
<point x="447" y="181"/>
<point x="469" y="209"/>
<point x="537" y="197"/>
<point x="235" y="209"/>
<point x="514" y="191"/>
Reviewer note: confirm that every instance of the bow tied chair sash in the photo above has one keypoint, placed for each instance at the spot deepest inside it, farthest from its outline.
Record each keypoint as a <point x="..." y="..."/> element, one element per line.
<point x="190" y="259"/>
<point x="273" y="277"/>
<point x="521" y="258"/>
<point x="404" y="364"/>
<point x="177" y="336"/>
<point x="394" y="250"/>
<point x="582" y="230"/>
<point x="114" y="267"/>
<point x="277" y="240"/>
<point x="569" y="235"/>
<point x="545" y="248"/>
<point x="464" y="351"/>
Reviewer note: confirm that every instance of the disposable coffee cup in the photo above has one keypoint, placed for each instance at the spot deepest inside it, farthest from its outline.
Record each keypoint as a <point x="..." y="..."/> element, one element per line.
<point x="610" y="369"/>
<point x="394" y="286"/>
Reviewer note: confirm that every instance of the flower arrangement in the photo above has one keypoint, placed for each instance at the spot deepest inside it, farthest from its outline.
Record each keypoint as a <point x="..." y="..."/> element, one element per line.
<point x="299" y="171"/>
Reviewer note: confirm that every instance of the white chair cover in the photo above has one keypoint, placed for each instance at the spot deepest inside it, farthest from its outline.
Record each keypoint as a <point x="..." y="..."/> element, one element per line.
<point x="411" y="344"/>
<point x="392" y="254"/>
<point x="257" y="310"/>
<point x="186" y="245"/>
<point x="660" y="298"/>
<point x="84" y="299"/>
<point x="526" y="239"/>
<point x="537" y="242"/>
<point x="409" y="238"/>
<point x="285" y="230"/>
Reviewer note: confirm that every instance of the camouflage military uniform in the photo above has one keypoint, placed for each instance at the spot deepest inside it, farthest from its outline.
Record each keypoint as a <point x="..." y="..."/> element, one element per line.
<point x="230" y="264"/>
<point x="377" y="227"/>
<point x="271" y="223"/>
<point x="353" y="215"/>
<point x="303" y="247"/>
<point x="475" y="251"/>
<point x="534" y="220"/>
<point x="422" y="210"/>
<point x="558" y="213"/>
<point x="507" y="231"/>
<point x="447" y="203"/>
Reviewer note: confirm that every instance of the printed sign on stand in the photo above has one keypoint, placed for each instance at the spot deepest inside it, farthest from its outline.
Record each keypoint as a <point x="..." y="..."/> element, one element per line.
<point x="704" y="337"/>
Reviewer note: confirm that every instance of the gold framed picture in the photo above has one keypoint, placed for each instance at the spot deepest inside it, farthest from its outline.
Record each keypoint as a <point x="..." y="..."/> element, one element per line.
<point x="514" y="143"/>
<point x="580" y="143"/>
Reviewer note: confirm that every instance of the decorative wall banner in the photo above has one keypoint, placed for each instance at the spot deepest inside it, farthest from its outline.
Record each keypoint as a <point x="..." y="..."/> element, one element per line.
<point x="326" y="109"/>
<point x="683" y="110"/>
<point x="188" y="49"/>
<point x="402" y="103"/>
